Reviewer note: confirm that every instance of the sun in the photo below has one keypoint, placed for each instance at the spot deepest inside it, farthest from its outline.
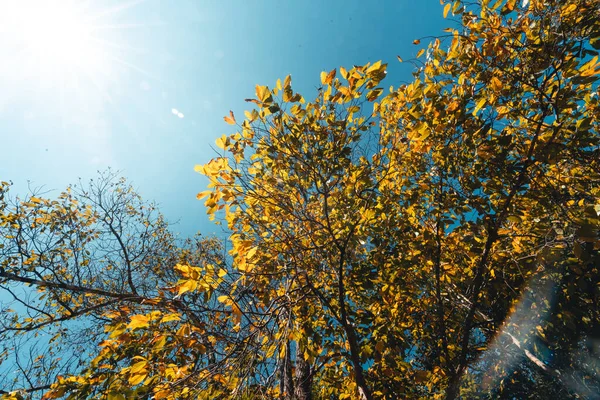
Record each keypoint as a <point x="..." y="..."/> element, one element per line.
<point x="56" y="39"/>
<point x="68" y="66"/>
<point x="59" y="36"/>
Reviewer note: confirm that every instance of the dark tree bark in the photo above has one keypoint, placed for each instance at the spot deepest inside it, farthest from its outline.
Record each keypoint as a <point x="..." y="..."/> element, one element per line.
<point x="303" y="376"/>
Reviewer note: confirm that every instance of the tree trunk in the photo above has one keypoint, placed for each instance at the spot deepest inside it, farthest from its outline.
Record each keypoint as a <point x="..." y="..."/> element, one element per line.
<point x="303" y="376"/>
<point x="364" y="392"/>
<point x="453" y="389"/>
<point x="287" y="381"/>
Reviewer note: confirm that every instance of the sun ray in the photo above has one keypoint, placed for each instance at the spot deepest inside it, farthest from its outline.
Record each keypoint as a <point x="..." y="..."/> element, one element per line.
<point x="136" y="68"/>
<point x="118" y="46"/>
<point x="519" y="331"/>
<point x="129" y="26"/>
<point x="117" y="9"/>
<point x="102" y="90"/>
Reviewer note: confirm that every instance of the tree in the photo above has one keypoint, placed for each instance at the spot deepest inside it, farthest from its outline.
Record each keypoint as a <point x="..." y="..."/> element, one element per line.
<point x="399" y="233"/>
<point x="84" y="253"/>
<point x="85" y="269"/>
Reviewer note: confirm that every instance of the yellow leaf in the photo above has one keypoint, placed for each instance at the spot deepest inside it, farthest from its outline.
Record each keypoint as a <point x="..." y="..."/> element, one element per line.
<point x="52" y="394"/>
<point x="137" y="367"/>
<point x="323" y="77"/>
<point x="170" y="317"/>
<point x="479" y="105"/>
<point x="203" y="194"/>
<point x="184" y="330"/>
<point x="116" y="331"/>
<point x="497" y="4"/>
<point x="330" y="76"/>
<point x="416" y="42"/>
<point x="138" y="321"/>
<point x="251" y="252"/>
<point x="46" y="219"/>
<point x="159" y="342"/>
<point x="263" y="93"/>
<point x="539" y="329"/>
<point x="569" y="9"/>
<point x="188" y="286"/>
<point x="374" y="67"/>
<point x="373" y="94"/>
<point x="447" y="9"/>
<point x="343" y="73"/>
<point x="223" y="299"/>
<point x="230" y="119"/>
<point x="237" y="312"/>
<point x="590" y="68"/>
<point x="496" y="83"/>
<point x="162" y="394"/>
<point x="137" y="379"/>
<point x="399" y="58"/>
<point x="222" y="142"/>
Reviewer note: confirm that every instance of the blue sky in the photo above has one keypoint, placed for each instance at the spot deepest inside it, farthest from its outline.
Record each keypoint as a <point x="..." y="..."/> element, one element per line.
<point x="103" y="92"/>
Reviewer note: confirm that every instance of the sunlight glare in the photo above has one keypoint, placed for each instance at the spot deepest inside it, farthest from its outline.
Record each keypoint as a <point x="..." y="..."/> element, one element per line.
<point x="56" y="39"/>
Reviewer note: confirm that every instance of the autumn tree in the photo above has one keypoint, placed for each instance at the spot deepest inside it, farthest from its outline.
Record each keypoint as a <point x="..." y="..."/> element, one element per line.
<point x="409" y="240"/>
<point x="83" y="275"/>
